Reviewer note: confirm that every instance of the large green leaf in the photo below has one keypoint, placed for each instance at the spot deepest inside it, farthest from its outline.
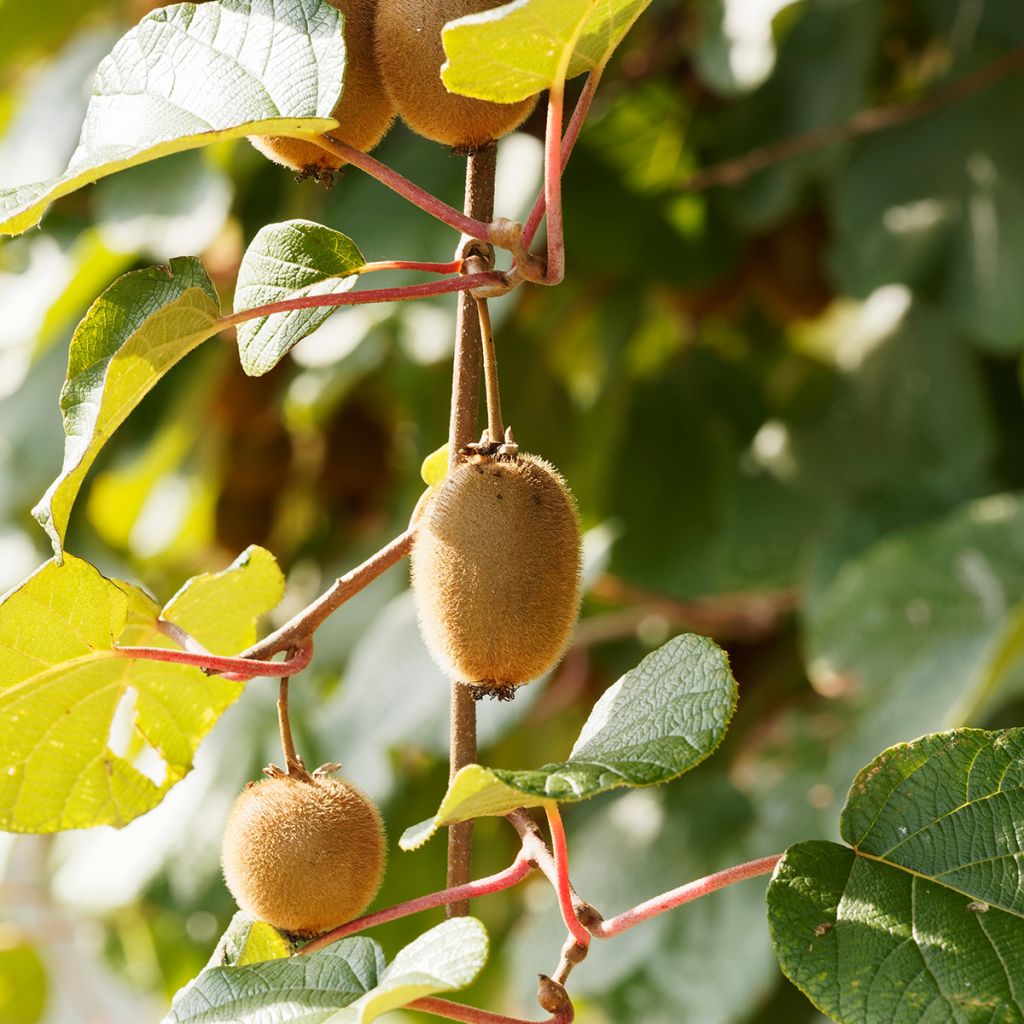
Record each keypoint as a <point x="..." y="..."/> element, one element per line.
<point x="347" y="983"/>
<point x="515" y="51"/>
<point x="142" y="325"/>
<point x="189" y="75"/>
<point x="870" y="944"/>
<point x="68" y="697"/>
<point x="922" y="918"/>
<point x="659" y="720"/>
<point x="286" y="261"/>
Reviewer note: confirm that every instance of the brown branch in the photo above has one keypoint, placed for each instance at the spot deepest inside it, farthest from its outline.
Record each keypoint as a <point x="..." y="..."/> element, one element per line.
<point x="303" y="625"/>
<point x="876" y="119"/>
<point x="479" y="206"/>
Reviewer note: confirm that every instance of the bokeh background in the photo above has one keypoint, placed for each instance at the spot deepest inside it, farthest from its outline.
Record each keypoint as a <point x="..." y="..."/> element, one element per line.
<point x="783" y="377"/>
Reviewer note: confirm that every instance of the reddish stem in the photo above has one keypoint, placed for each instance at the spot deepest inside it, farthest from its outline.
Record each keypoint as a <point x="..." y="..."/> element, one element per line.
<point x="563" y="886"/>
<point x="402" y="294"/>
<point x="238" y="669"/>
<point x="451" y="267"/>
<point x="408" y="190"/>
<point x="512" y="875"/>
<point x="579" y="115"/>
<point x="553" y="185"/>
<point x="471" y="1015"/>
<point x="684" y="894"/>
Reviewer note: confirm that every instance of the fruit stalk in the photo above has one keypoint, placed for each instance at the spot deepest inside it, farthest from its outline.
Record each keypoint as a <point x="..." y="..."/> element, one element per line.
<point x="471" y="1015"/>
<point x="479" y="206"/>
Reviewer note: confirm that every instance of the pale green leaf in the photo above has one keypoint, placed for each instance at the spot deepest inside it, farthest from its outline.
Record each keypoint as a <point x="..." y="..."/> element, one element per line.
<point x="346" y="983"/>
<point x="659" y="720"/>
<point x="90" y="736"/>
<point x="189" y="75"/>
<point x="435" y="467"/>
<point x="923" y="919"/>
<point x="517" y="50"/>
<point x="140" y="327"/>
<point x="288" y="261"/>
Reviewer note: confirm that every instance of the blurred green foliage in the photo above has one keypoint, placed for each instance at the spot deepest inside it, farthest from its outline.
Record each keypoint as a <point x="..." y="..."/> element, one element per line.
<point x="782" y="397"/>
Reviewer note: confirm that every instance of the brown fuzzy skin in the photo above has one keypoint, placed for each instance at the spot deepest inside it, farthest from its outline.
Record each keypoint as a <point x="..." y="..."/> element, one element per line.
<point x="364" y="112"/>
<point x="496" y="571"/>
<point x="410" y="55"/>
<point x="304" y="855"/>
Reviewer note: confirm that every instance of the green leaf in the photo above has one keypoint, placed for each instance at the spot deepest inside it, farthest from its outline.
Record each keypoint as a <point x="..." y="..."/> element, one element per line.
<point x="90" y="736"/>
<point x="248" y="941"/>
<point x="871" y="944"/>
<point x="949" y="807"/>
<point x="923" y="919"/>
<point x="287" y="261"/>
<point x="347" y="983"/>
<point x="142" y="325"/>
<point x="435" y="467"/>
<point x="516" y="50"/>
<point x="659" y="720"/>
<point x="189" y="75"/>
<point x="922" y="627"/>
<point x="24" y="984"/>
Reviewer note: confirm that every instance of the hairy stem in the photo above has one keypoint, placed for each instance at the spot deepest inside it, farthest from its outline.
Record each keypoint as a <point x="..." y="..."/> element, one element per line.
<point x="480" y="170"/>
<point x="512" y="875"/>
<point x="562" y="884"/>
<point x="553" y="185"/>
<point x="451" y="267"/>
<point x="471" y="1015"/>
<point x="579" y="115"/>
<point x="291" y="759"/>
<point x="478" y="226"/>
<point x="684" y="894"/>
<point x="404" y="293"/>
<point x="238" y="668"/>
<point x="495" y="427"/>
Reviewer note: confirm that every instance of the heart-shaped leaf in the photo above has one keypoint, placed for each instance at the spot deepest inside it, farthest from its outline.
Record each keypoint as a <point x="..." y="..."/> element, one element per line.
<point x="923" y="918"/>
<point x="190" y="75"/>
<point x="90" y="736"/>
<point x="659" y="720"/>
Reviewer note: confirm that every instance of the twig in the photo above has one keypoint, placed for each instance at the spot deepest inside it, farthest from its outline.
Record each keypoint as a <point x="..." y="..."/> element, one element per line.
<point x="553" y="184"/>
<point x="291" y="760"/>
<point x="866" y="122"/>
<point x="238" y="668"/>
<point x="562" y="884"/>
<point x="404" y="293"/>
<point x="512" y="875"/>
<point x="309" y="619"/>
<point x="477" y="226"/>
<point x="479" y="205"/>
<point x="579" y="115"/>
<point x="684" y="894"/>
<point x="451" y="267"/>
<point x="495" y="427"/>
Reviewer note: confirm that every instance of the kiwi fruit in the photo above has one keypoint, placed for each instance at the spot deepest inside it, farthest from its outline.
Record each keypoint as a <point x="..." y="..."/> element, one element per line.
<point x="304" y="853"/>
<point x="410" y="55"/>
<point x="496" y="569"/>
<point x="364" y="112"/>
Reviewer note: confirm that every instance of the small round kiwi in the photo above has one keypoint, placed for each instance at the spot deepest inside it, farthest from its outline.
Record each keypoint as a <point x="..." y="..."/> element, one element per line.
<point x="496" y="571"/>
<point x="304" y="853"/>
<point x="410" y="55"/>
<point x="364" y="112"/>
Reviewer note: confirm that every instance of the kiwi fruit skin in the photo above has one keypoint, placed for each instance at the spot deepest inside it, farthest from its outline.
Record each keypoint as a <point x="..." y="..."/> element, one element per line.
<point x="303" y="854"/>
<point x="496" y="570"/>
<point x="410" y="55"/>
<point x="364" y="112"/>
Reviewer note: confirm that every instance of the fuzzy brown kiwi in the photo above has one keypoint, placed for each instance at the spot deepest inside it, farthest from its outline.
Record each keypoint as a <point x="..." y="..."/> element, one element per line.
<point x="303" y="853"/>
<point x="496" y="571"/>
<point x="410" y="55"/>
<point x="364" y="112"/>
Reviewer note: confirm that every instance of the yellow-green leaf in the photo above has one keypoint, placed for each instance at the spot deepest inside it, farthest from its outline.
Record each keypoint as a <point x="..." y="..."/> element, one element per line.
<point x="516" y="50"/>
<point x="248" y="941"/>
